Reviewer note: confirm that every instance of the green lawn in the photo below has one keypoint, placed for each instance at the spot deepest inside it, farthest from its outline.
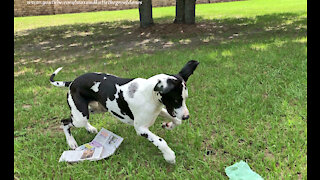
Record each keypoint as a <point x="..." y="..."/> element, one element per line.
<point x="247" y="98"/>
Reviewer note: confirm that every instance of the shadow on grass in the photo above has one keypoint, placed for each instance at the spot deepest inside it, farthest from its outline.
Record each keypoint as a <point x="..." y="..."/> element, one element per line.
<point x="113" y="39"/>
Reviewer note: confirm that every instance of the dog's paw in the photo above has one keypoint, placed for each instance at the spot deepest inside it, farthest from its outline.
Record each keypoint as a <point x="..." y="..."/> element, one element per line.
<point x="72" y="143"/>
<point x="92" y="129"/>
<point x="167" y="126"/>
<point x="170" y="157"/>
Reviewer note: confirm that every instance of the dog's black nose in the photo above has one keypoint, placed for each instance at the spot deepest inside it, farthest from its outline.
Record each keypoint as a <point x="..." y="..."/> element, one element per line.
<point x="185" y="117"/>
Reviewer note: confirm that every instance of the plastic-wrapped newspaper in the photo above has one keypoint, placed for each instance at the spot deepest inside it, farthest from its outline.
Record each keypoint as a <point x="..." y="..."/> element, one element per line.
<point x="102" y="146"/>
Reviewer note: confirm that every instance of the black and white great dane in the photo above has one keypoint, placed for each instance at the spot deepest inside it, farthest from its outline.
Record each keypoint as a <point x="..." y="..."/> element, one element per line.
<point x="135" y="101"/>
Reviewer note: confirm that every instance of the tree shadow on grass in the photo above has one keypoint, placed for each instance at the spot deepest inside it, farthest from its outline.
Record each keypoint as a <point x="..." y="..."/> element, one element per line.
<point x="113" y="39"/>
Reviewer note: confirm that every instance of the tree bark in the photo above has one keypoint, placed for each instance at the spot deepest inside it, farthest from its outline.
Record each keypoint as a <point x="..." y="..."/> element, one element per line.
<point x="190" y="7"/>
<point x="145" y="13"/>
<point x="180" y="5"/>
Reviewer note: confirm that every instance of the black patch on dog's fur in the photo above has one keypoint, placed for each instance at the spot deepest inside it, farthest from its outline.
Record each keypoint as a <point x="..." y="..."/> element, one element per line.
<point x="144" y="135"/>
<point x="123" y="105"/>
<point x="173" y="99"/>
<point x="116" y="114"/>
<point x="66" y="83"/>
<point x="65" y="122"/>
<point x="68" y="101"/>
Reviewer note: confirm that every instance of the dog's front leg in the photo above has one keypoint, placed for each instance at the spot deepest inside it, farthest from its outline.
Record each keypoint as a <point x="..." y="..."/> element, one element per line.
<point x="160" y="143"/>
<point x="170" y="125"/>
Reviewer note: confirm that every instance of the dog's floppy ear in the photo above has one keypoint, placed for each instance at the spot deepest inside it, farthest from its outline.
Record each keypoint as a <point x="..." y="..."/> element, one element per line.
<point x="164" y="88"/>
<point x="188" y="69"/>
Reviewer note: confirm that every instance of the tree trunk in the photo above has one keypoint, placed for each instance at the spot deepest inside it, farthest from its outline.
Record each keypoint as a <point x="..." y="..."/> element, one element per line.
<point x="145" y="13"/>
<point x="185" y="11"/>
<point x="190" y="7"/>
<point x="180" y="4"/>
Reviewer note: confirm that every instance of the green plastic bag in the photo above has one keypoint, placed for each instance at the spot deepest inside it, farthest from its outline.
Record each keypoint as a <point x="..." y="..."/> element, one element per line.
<point x="241" y="171"/>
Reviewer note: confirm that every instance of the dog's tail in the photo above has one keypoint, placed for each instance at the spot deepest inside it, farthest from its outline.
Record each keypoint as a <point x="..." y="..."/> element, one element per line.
<point x="59" y="83"/>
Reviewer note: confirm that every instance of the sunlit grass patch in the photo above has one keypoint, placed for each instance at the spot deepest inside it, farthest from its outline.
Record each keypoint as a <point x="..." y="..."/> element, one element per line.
<point x="259" y="47"/>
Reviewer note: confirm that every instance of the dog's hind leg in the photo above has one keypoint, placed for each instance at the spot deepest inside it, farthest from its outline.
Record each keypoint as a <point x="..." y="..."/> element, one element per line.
<point x="80" y="112"/>
<point x="66" y="125"/>
<point x="79" y="117"/>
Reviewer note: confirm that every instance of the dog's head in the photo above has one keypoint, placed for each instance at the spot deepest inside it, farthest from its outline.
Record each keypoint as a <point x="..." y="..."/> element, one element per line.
<point x="174" y="91"/>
